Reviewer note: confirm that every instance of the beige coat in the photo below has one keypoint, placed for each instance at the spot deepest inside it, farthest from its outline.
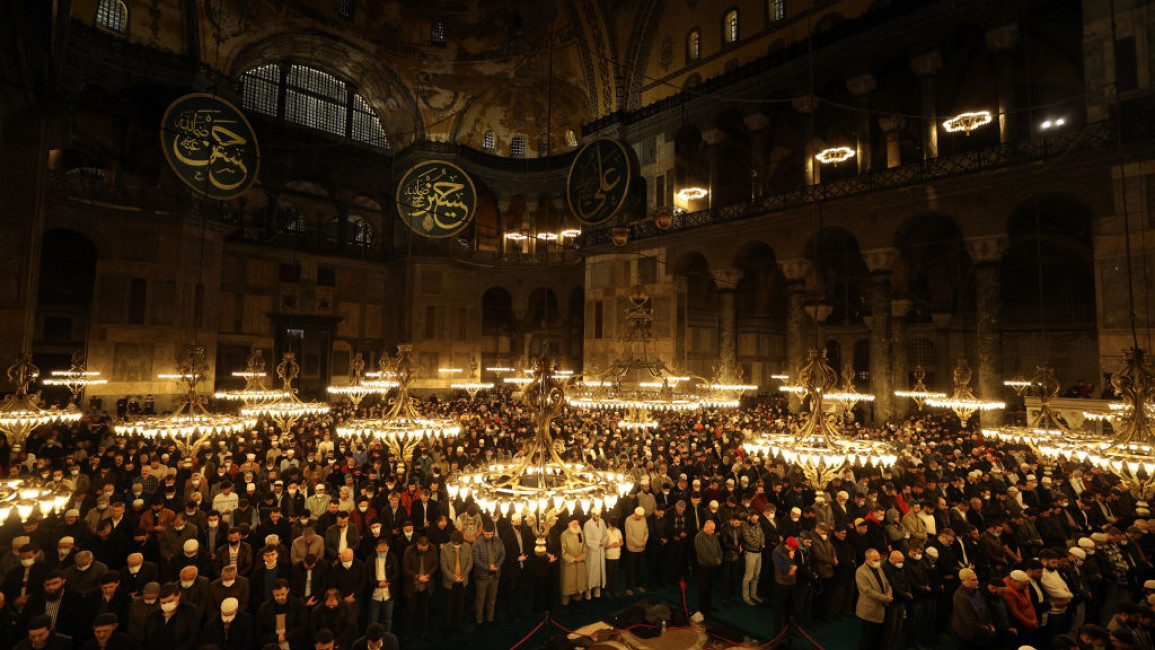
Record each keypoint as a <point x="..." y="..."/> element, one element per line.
<point x="871" y="602"/>
<point x="573" y="574"/>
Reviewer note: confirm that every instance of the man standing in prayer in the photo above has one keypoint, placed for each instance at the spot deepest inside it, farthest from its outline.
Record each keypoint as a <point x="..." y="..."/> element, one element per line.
<point x="573" y="563"/>
<point x="596" y="539"/>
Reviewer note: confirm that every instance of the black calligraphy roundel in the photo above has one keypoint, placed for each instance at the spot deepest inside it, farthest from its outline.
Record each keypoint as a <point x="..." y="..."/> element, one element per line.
<point x="210" y="145"/>
<point x="436" y="198"/>
<point x="599" y="180"/>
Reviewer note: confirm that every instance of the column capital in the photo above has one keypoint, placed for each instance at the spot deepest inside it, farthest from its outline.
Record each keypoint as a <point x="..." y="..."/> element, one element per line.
<point x="503" y="203"/>
<point x="891" y="123"/>
<point x="862" y="85"/>
<point x="805" y="104"/>
<point x="900" y="307"/>
<point x="987" y="250"/>
<point x="795" y="270"/>
<point x="757" y="121"/>
<point x="927" y="63"/>
<point x="1003" y="37"/>
<point x="880" y="260"/>
<point x="727" y="279"/>
<point x="713" y="136"/>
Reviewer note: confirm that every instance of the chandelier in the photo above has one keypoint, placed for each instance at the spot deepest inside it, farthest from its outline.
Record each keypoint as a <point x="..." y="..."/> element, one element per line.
<point x="1129" y="453"/>
<point x="849" y="395"/>
<point x="358" y="389"/>
<point x="963" y="401"/>
<point x="403" y="427"/>
<point x="20" y="413"/>
<point x="286" y="412"/>
<point x="192" y="424"/>
<point x="967" y="122"/>
<point x="641" y="386"/>
<point x="474" y="385"/>
<point x="817" y="446"/>
<point x="17" y="495"/>
<point x="75" y="379"/>
<point x="834" y="155"/>
<point x="255" y="391"/>
<point x="918" y="393"/>
<point x="539" y="483"/>
<point x="1047" y="430"/>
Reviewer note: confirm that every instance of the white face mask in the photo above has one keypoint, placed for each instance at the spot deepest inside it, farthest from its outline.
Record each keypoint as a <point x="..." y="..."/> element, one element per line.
<point x="229" y="618"/>
<point x="169" y="607"/>
<point x="134" y="569"/>
<point x="898" y="565"/>
<point x="83" y="568"/>
<point x="228" y="583"/>
<point x="178" y="528"/>
<point x="187" y="583"/>
<point x="363" y="508"/>
<point x="347" y="564"/>
<point x="28" y="562"/>
<point x="214" y="524"/>
<point x="149" y="601"/>
<point x="916" y="558"/>
<point x="875" y="564"/>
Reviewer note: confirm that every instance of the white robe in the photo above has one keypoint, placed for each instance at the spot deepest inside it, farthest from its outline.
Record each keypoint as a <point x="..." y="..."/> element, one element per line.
<point x="595" y="534"/>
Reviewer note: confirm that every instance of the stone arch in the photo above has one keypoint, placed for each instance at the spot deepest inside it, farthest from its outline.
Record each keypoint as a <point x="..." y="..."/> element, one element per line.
<point x="497" y="317"/>
<point x="838" y="275"/>
<point x="932" y="266"/>
<point x="730" y="178"/>
<point x="543" y="308"/>
<point x="64" y="300"/>
<point x="760" y="312"/>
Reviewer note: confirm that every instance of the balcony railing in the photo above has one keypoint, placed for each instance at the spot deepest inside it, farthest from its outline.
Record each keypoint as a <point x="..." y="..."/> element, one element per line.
<point x="1093" y="136"/>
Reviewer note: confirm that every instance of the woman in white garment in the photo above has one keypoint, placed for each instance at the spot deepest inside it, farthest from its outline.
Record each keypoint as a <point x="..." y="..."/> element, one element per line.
<point x="596" y="537"/>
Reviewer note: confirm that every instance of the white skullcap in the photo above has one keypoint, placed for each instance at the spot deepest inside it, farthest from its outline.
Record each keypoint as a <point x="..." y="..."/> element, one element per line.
<point x="1046" y="479"/>
<point x="1012" y="489"/>
<point x="67" y="539"/>
<point x="729" y="481"/>
<point x="1150" y="584"/>
<point x="19" y="542"/>
<point x="714" y="503"/>
<point x="1142" y="512"/>
<point x="932" y="551"/>
<point x="191" y="545"/>
<point x="843" y="495"/>
<point x="819" y="499"/>
<point x="136" y="503"/>
<point x="1086" y="542"/>
<point x="1030" y="477"/>
<point x="639" y="511"/>
<point x="1019" y="576"/>
<point x="1099" y="537"/>
<point x="645" y="480"/>
<point x="1026" y="647"/>
<point x="230" y="604"/>
<point x="1077" y="552"/>
<point x="72" y="512"/>
<point x="272" y="539"/>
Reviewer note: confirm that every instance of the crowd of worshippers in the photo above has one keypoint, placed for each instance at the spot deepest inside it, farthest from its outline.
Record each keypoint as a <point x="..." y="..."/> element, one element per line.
<point x="302" y="540"/>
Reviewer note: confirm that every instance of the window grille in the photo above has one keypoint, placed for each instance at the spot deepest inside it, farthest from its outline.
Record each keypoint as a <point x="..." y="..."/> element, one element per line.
<point x="112" y="15"/>
<point x="517" y="146"/>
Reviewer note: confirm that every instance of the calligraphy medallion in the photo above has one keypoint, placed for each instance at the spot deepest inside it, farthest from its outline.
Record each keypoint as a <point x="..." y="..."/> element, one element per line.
<point x="436" y="198"/>
<point x="210" y="145"/>
<point x="599" y="180"/>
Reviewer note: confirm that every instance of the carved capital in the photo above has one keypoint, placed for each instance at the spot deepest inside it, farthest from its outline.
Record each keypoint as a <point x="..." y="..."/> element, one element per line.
<point x="891" y="123"/>
<point x="862" y="85"/>
<point x="795" y="270"/>
<point x="880" y="260"/>
<point x="503" y="203"/>
<point x="1003" y="37"/>
<point x="900" y="307"/>
<point x="805" y="104"/>
<point x="756" y="121"/>
<point x="941" y="319"/>
<point x="727" y="279"/>
<point x="819" y="312"/>
<point x="987" y="250"/>
<point x="926" y="64"/>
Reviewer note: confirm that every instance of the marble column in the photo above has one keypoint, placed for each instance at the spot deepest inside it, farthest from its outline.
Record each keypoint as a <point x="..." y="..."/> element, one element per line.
<point x="899" y="366"/>
<point x="503" y="203"/>
<point x="805" y="106"/>
<point x="758" y="124"/>
<point x="892" y="126"/>
<point x="713" y="138"/>
<point x="879" y="263"/>
<point x="861" y="87"/>
<point x="986" y="253"/>
<point x="1001" y="41"/>
<point x="727" y="283"/>
<point x="796" y="350"/>
<point x="926" y="66"/>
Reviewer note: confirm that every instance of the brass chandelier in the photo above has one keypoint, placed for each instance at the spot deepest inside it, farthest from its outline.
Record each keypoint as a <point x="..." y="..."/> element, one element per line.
<point x="817" y="446"/>
<point x="963" y="401"/>
<point x="358" y="387"/>
<point x="255" y="391"/>
<point x="919" y="393"/>
<point x="288" y="411"/>
<point x="403" y="426"/>
<point x="539" y="483"/>
<point x="75" y="379"/>
<point x="192" y="425"/>
<point x="20" y="413"/>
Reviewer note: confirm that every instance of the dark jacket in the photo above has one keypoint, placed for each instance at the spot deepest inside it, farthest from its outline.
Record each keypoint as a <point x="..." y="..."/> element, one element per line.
<point x="180" y="632"/>
<point x="296" y="623"/>
<point x="118" y="641"/>
<point x="970" y="616"/>
<point x="240" y="635"/>
<point x="134" y="584"/>
<point x="299" y="575"/>
<point x="351" y="581"/>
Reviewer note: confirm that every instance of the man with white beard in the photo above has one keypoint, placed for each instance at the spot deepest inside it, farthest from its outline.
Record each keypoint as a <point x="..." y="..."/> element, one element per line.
<point x="595" y="532"/>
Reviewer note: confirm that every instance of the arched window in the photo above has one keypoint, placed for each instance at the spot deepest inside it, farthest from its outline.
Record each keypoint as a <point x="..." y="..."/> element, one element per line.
<point x="922" y="352"/>
<point x="730" y="27"/>
<point x="571" y="138"/>
<point x="312" y="98"/>
<point x="517" y="146"/>
<point x="777" y="10"/>
<point x="490" y="140"/>
<point x="358" y="231"/>
<point x="345" y="8"/>
<point x="112" y="15"/>
<point x="290" y="220"/>
<point x="693" y="45"/>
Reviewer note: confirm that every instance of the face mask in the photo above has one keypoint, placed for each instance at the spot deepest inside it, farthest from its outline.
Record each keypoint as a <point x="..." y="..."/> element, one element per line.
<point x="134" y="569"/>
<point x="228" y="583"/>
<point x="363" y="508"/>
<point x="75" y="472"/>
<point x="196" y="483"/>
<point x="916" y="558"/>
<point x="187" y="583"/>
<point x="382" y="555"/>
<point x="168" y="608"/>
<point x="28" y="562"/>
<point x="898" y="565"/>
<point x="376" y="530"/>
<point x="823" y="537"/>
<point x="228" y="619"/>
<point x="875" y="564"/>
<point x="213" y="524"/>
<point x="347" y="564"/>
<point x="101" y="506"/>
<point x="1090" y="551"/>
<point x="149" y="601"/>
<point x="178" y="528"/>
<point x="83" y="568"/>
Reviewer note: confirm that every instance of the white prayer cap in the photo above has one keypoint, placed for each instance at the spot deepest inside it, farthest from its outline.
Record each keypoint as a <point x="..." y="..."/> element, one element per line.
<point x="230" y="604"/>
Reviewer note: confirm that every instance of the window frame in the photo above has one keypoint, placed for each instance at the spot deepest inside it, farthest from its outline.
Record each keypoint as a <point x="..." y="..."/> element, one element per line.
<point x="489" y="141"/>
<point x="731" y="27"/>
<point x="103" y="6"/>
<point x="776" y="11"/>
<point x="439" y="33"/>
<point x="346" y="8"/>
<point x="693" y="45"/>
<point x="516" y="142"/>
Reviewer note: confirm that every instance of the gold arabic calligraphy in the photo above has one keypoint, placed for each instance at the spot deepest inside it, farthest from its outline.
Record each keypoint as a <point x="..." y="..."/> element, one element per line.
<point x="204" y="139"/>
<point x="595" y="180"/>
<point x="437" y="197"/>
